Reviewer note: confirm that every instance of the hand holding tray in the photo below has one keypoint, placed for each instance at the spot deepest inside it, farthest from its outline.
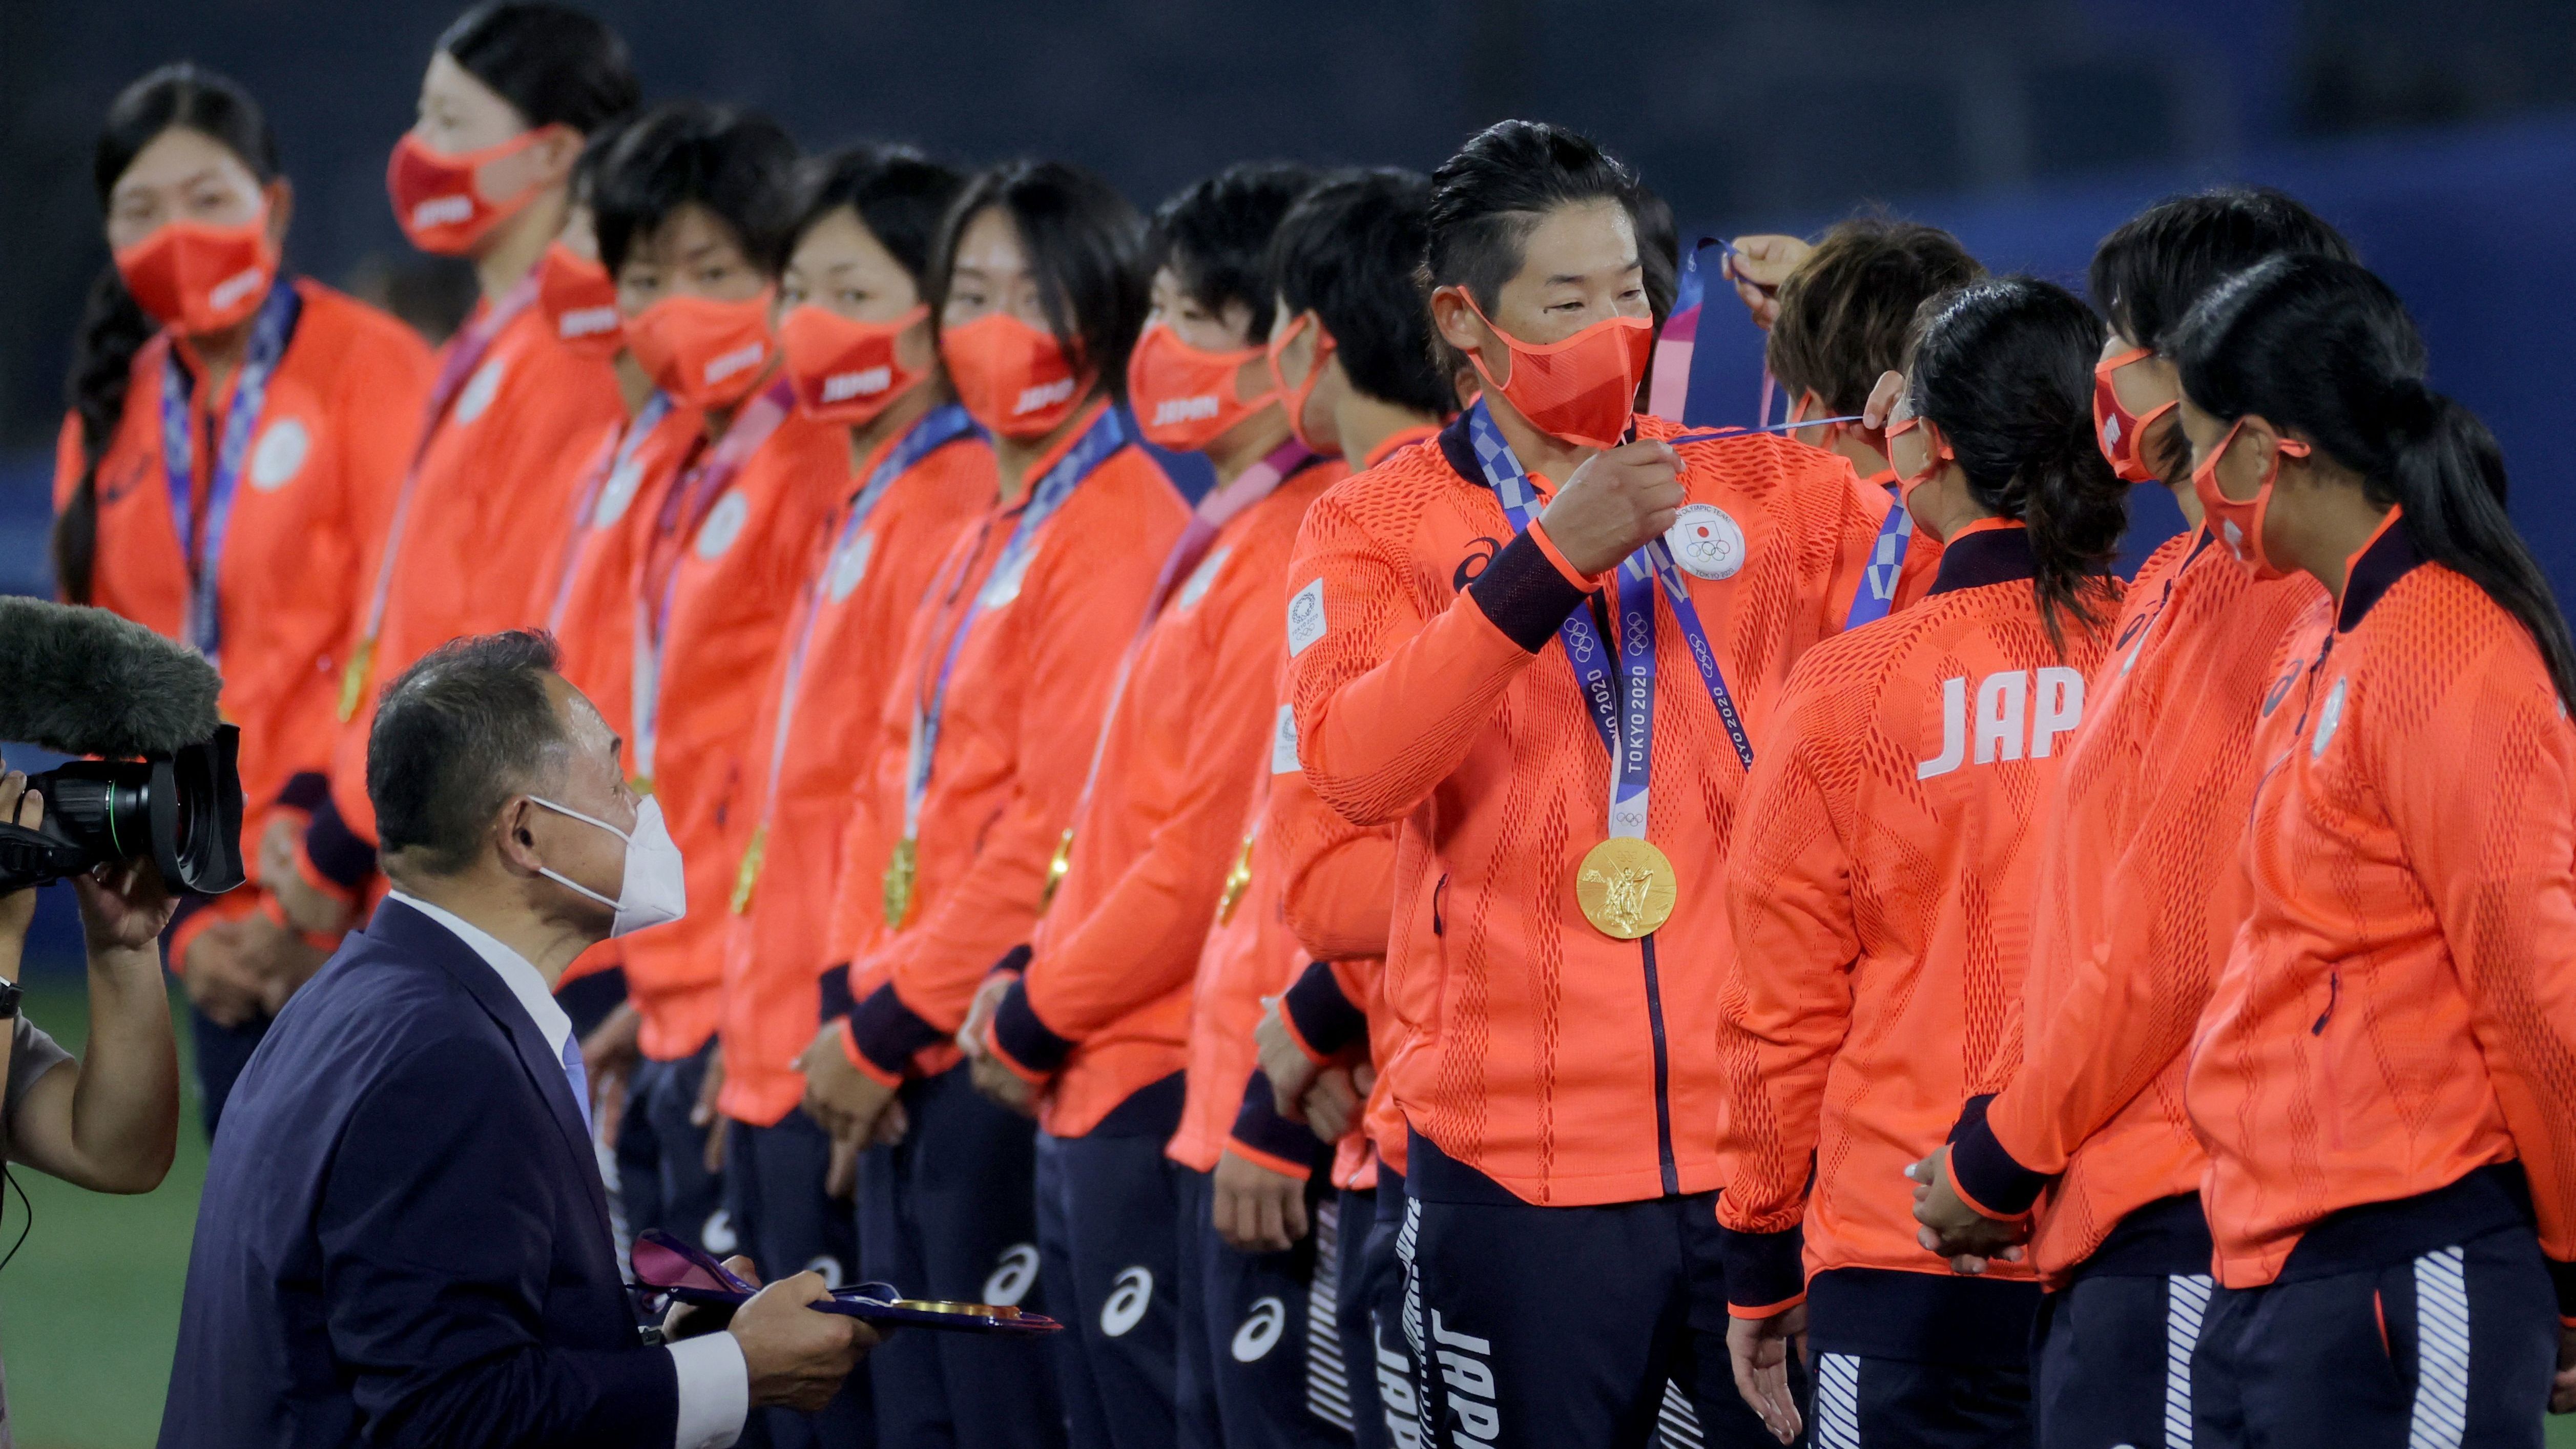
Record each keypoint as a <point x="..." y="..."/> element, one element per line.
<point x="666" y="1265"/>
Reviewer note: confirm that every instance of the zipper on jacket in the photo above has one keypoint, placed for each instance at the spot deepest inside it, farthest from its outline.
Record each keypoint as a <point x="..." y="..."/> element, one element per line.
<point x="1663" y="1072"/>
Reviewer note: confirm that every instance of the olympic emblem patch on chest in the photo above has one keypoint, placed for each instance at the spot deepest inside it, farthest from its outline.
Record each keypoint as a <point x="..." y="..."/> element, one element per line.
<point x="1706" y="542"/>
<point x="2329" y="719"/>
<point x="617" y="493"/>
<point x="280" y="454"/>
<point x="850" y="565"/>
<point x="724" y="524"/>
<point x="480" y="389"/>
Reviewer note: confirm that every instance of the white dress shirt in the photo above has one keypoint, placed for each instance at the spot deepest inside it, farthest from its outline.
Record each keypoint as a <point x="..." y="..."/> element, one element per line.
<point x="715" y="1381"/>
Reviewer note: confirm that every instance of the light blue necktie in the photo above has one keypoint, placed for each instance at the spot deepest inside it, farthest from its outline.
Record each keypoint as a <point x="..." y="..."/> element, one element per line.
<point x="580" y="1080"/>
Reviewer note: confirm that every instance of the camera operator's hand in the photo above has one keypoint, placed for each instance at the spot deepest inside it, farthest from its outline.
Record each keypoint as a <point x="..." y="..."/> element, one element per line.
<point x="18" y="806"/>
<point x="124" y="906"/>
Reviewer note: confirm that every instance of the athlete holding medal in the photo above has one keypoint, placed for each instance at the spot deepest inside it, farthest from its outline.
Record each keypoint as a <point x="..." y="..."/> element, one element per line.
<point x="1458" y="667"/>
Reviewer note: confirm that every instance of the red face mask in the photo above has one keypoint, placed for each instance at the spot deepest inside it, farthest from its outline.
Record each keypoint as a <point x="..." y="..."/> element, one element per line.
<point x="845" y="371"/>
<point x="438" y="200"/>
<point x="2239" y="525"/>
<point x="703" y="352"/>
<point x="1183" y="396"/>
<point x="1013" y="378"/>
<point x="1906" y="482"/>
<point x="197" y="278"/>
<point x="1582" y="390"/>
<point x="2120" y="433"/>
<point x="581" y="301"/>
<point x="1296" y="398"/>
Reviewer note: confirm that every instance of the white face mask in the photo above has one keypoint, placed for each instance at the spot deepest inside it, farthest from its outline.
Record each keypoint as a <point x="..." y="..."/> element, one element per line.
<point x="655" y="887"/>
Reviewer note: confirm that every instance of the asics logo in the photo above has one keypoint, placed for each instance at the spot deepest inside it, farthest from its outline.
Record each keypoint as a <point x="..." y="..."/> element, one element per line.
<point x="1043" y="395"/>
<point x="726" y="364"/>
<point x="237" y="286"/>
<point x="1013" y="1273"/>
<point x="1132" y="1293"/>
<point x="586" y="322"/>
<point x="1184" y="409"/>
<point x="843" y="386"/>
<point x="1261" y="1330"/>
<point x="442" y="210"/>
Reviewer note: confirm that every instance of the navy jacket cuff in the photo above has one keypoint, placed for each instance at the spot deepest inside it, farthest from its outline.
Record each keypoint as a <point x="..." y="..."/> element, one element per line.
<point x="887" y="1032"/>
<point x="1323" y="1016"/>
<point x="343" y="856"/>
<point x="1763" y="1270"/>
<point x="1984" y="1171"/>
<point x="1525" y="593"/>
<point x="836" y="992"/>
<point x="1027" y="1040"/>
<point x="1258" y="1124"/>
<point x="305" y="790"/>
<point x="2562" y="1277"/>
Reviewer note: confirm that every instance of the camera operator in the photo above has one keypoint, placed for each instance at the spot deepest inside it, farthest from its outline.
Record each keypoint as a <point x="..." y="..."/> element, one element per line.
<point x="108" y="1121"/>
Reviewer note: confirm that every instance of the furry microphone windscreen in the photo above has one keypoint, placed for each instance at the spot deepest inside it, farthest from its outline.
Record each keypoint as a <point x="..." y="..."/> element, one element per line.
<point x="82" y="681"/>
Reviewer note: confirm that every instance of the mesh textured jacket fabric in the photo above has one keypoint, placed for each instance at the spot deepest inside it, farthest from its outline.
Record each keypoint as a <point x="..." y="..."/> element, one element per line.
<point x="1431" y="691"/>
<point x="2400" y="1006"/>
<point x="1880" y="892"/>
<point x="588" y="597"/>
<point x="1103" y="1007"/>
<point x="863" y="589"/>
<point x="2139" y="897"/>
<point x="1023" y="711"/>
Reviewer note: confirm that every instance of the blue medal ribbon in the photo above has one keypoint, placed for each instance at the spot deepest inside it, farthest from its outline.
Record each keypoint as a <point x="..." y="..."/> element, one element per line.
<point x="270" y="331"/>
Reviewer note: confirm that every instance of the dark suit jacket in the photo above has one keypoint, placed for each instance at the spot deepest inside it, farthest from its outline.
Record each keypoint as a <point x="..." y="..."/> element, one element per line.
<point x="403" y="1238"/>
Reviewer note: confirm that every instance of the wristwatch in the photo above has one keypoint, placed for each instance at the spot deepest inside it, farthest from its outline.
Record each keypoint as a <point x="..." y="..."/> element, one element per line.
<point x="10" y="991"/>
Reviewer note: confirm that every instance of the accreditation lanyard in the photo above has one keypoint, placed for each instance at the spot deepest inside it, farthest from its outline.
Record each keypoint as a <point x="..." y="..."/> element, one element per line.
<point x="928" y="434"/>
<point x="464" y="356"/>
<point x="203" y="545"/>
<point x="585" y="511"/>
<point x="1218" y="508"/>
<point x="1623" y="709"/>
<point x="1105" y="436"/>
<point x="684" y="511"/>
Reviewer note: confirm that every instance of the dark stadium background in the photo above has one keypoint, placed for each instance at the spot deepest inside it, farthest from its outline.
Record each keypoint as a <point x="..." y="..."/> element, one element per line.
<point x="2442" y="137"/>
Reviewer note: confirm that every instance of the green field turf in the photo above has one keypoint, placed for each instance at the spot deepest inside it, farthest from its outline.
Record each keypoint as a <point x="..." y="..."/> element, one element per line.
<point x="89" y="1309"/>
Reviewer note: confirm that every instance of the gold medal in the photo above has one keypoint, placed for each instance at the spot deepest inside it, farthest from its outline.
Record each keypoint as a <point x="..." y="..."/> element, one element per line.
<point x="898" y="880"/>
<point x="1235" y="880"/>
<point x="1056" y="867"/>
<point x="1626" y="888"/>
<point x="353" y="680"/>
<point x="749" y="872"/>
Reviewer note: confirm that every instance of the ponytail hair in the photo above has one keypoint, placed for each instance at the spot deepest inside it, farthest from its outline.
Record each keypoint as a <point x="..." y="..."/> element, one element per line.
<point x="2004" y="368"/>
<point x="2320" y="347"/>
<point x="113" y="327"/>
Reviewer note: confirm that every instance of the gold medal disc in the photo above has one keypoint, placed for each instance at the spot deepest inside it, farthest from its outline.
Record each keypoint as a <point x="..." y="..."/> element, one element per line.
<point x="353" y="680"/>
<point x="898" y="881"/>
<point x="1056" y="867"/>
<point x="1626" y="888"/>
<point x="1235" y="881"/>
<point x="748" y="874"/>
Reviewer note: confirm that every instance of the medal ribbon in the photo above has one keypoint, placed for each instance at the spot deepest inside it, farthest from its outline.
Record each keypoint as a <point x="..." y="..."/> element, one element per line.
<point x="204" y="552"/>
<point x="464" y="355"/>
<point x="1105" y="436"/>
<point x="586" y="507"/>
<point x="1668" y="395"/>
<point x="1623" y="712"/>
<point x="684" y="510"/>
<point x="931" y="432"/>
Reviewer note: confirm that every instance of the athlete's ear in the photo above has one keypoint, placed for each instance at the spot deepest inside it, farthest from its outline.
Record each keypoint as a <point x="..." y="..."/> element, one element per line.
<point x="554" y="151"/>
<point x="280" y="195"/>
<point x="1455" y="319"/>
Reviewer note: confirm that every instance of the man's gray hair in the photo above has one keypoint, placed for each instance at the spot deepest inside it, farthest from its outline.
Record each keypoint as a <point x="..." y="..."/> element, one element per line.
<point x="458" y="733"/>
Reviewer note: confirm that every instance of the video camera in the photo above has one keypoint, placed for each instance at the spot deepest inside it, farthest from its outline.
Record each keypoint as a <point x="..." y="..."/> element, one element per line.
<point x="82" y="681"/>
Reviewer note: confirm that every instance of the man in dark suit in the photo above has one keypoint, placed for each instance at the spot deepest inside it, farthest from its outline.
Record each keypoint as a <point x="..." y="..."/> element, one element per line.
<point x="404" y="1238"/>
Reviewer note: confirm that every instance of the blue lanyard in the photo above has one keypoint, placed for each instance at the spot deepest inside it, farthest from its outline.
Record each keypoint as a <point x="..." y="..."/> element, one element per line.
<point x="1624" y="712"/>
<point x="1877" y="591"/>
<point x="1106" y="436"/>
<point x="269" y="334"/>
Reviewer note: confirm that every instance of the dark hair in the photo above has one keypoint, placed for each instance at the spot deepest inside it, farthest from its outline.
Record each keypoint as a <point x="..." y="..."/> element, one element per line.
<point x="899" y="194"/>
<point x="1487" y="199"/>
<point x="467" y="726"/>
<point x="1086" y="245"/>
<point x="2005" y="369"/>
<point x="1212" y="234"/>
<point x="2322" y="349"/>
<point x="1846" y="311"/>
<point x="113" y="327"/>
<point x="1347" y="251"/>
<point x="2152" y="267"/>
<point x="553" y="64"/>
<point x="1659" y="250"/>
<point x="595" y="146"/>
<point x="737" y="164"/>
